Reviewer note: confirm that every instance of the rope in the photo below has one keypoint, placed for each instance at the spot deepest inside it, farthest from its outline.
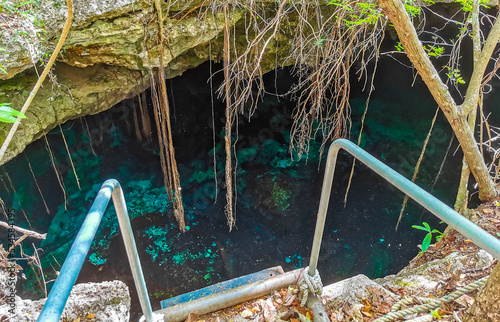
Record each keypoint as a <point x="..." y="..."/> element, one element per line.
<point x="308" y="283"/>
<point x="432" y="303"/>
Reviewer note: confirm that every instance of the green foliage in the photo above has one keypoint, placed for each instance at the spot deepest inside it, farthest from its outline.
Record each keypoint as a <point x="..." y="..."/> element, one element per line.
<point x="467" y="4"/>
<point x="361" y="12"/>
<point x="428" y="238"/>
<point x="8" y="114"/>
<point x="454" y="75"/>
<point x="399" y="47"/>
<point x="435" y="313"/>
<point x="319" y="42"/>
<point x="434" y="51"/>
<point x="412" y="9"/>
<point x="22" y="8"/>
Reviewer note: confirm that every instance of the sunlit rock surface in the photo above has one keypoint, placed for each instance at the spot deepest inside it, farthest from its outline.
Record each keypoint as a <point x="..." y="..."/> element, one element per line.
<point x="106" y="301"/>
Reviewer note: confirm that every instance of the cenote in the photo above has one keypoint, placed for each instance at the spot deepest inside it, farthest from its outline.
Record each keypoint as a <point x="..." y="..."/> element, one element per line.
<point x="277" y="198"/>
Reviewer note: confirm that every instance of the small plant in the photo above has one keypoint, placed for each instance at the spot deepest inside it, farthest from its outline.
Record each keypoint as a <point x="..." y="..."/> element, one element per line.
<point x="427" y="239"/>
<point x="8" y="114"/>
<point x="434" y="51"/>
<point x="454" y="75"/>
<point x="435" y="314"/>
<point x="399" y="47"/>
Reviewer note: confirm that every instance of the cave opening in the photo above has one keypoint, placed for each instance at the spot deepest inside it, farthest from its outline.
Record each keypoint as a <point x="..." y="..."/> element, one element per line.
<point x="277" y="198"/>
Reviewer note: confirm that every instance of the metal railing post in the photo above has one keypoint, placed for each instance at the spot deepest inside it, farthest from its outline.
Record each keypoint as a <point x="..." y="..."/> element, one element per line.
<point x="61" y="290"/>
<point x="464" y="226"/>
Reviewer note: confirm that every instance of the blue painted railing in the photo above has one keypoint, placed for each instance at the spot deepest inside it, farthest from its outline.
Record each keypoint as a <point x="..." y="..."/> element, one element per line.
<point x="59" y="294"/>
<point x="467" y="228"/>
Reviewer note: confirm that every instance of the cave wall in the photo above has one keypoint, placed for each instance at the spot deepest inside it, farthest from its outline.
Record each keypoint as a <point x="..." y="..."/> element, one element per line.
<point x="106" y="58"/>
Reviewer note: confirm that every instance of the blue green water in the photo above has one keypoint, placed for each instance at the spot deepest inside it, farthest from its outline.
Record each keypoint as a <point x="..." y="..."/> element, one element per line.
<point x="277" y="199"/>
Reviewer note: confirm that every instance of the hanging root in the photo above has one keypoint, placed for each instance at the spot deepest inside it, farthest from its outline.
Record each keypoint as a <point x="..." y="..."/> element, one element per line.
<point x="417" y="166"/>
<point x="70" y="159"/>
<point x="323" y="49"/>
<point x="162" y="119"/>
<point x="58" y="176"/>
<point x="229" y="120"/>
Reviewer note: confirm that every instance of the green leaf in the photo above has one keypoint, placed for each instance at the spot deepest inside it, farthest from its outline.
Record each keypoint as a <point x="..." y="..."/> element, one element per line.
<point x="5" y="109"/>
<point x="427" y="226"/>
<point x="7" y="118"/>
<point x="419" y="227"/>
<point x="436" y="231"/>
<point x="426" y="242"/>
<point x="435" y="313"/>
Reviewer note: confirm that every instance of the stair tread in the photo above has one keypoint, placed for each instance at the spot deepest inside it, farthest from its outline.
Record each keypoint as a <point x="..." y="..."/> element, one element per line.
<point x="222" y="286"/>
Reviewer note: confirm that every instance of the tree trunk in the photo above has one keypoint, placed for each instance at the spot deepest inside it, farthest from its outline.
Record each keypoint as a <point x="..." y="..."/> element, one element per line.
<point x="486" y="307"/>
<point x="457" y="119"/>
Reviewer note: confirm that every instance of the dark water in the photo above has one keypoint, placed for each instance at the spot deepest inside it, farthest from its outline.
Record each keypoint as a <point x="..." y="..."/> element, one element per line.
<point x="277" y="199"/>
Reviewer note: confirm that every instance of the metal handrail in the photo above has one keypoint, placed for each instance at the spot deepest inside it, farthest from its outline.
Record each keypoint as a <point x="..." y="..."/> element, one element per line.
<point x="59" y="294"/>
<point x="467" y="228"/>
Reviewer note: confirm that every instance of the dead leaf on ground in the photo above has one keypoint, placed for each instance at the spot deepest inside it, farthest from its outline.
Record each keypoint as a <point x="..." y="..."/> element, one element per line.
<point x="192" y="317"/>
<point x="384" y="308"/>
<point x="465" y="300"/>
<point x="246" y="314"/>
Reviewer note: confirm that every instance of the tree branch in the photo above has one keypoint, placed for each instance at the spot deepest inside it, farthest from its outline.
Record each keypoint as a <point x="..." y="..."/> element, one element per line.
<point x="396" y="12"/>
<point x="23" y="231"/>
<point x="472" y="94"/>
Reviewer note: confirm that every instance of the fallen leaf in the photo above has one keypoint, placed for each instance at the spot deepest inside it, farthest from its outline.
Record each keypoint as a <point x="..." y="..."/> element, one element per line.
<point x="290" y="300"/>
<point x="246" y="314"/>
<point x="384" y="308"/>
<point x="255" y="309"/>
<point x="77" y="319"/>
<point x="289" y="314"/>
<point x="294" y="320"/>
<point x="192" y="317"/>
<point x="465" y="300"/>
<point x="270" y="311"/>
<point x="487" y="211"/>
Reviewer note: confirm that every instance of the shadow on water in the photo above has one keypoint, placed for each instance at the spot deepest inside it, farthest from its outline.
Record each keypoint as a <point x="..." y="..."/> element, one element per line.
<point x="277" y="199"/>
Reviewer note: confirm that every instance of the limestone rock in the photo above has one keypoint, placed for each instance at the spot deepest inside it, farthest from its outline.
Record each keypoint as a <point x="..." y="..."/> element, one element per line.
<point x="106" y="301"/>
<point x="30" y="33"/>
<point x="352" y="290"/>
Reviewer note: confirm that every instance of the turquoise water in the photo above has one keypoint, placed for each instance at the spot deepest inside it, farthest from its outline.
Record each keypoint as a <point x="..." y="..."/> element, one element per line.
<point x="277" y="199"/>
